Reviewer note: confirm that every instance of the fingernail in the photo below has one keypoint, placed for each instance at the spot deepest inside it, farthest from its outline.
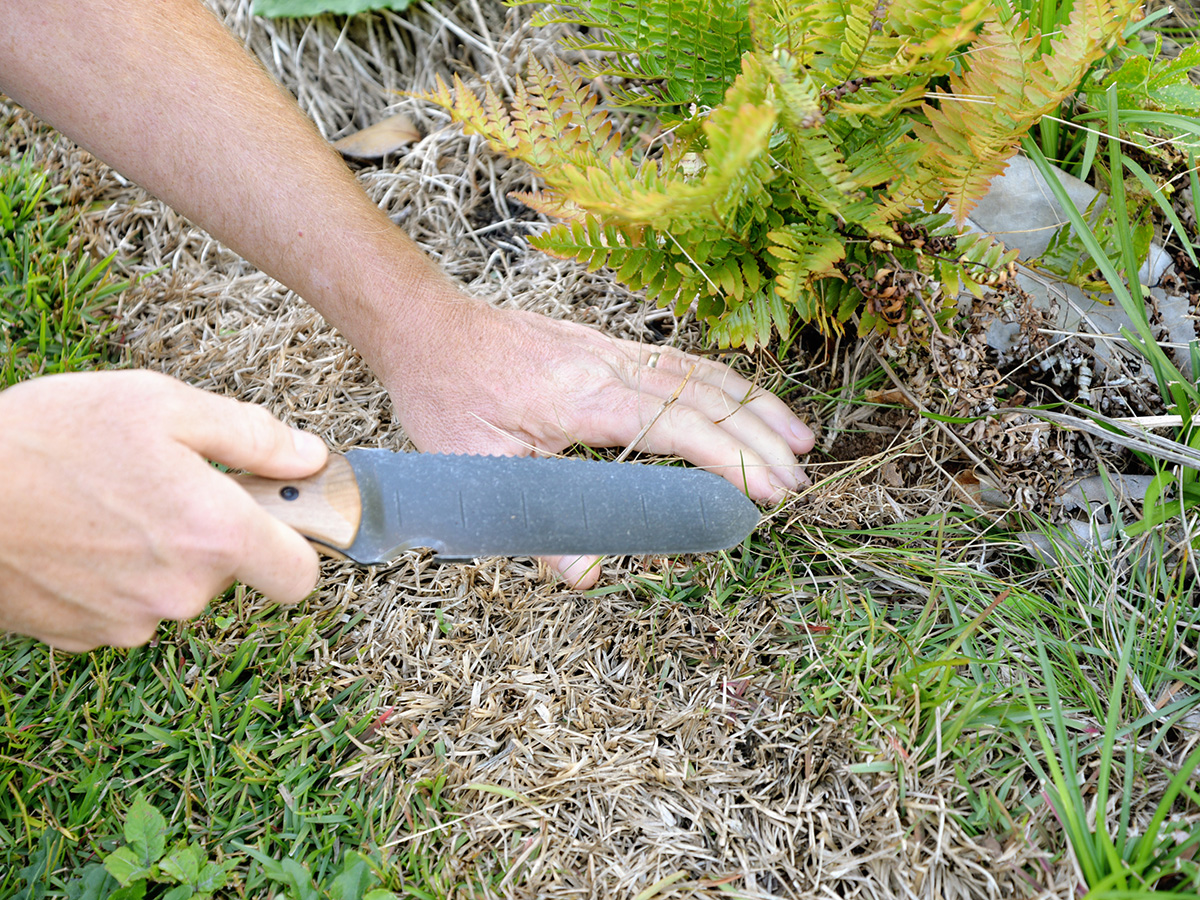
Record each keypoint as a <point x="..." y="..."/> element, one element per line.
<point x="309" y="447"/>
<point x="802" y="434"/>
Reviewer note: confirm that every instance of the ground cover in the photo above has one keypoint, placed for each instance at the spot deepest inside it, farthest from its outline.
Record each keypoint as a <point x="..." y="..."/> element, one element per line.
<point x="868" y="699"/>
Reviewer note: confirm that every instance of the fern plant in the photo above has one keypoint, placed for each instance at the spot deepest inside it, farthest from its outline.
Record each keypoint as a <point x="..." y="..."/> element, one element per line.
<point x="806" y="148"/>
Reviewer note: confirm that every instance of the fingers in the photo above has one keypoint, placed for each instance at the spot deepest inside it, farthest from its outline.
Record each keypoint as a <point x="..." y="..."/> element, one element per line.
<point x="685" y="431"/>
<point x="579" y="572"/>
<point x="280" y="564"/>
<point x="776" y="414"/>
<point x="264" y="553"/>
<point x="709" y="415"/>
<point x="245" y="436"/>
<point x="740" y="421"/>
<point x="273" y="558"/>
<point x="114" y="518"/>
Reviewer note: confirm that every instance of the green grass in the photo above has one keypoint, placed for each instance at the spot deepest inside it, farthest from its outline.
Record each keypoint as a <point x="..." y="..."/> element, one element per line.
<point x="1011" y="684"/>
<point x="53" y="298"/>
<point x="212" y="727"/>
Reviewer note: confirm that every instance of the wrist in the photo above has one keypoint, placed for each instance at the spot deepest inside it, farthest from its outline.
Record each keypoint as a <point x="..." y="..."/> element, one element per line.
<point x="400" y="308"/>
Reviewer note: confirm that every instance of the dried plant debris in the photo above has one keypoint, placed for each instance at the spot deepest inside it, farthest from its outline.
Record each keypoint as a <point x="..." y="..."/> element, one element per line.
<point x="597" y="746"/>
<point x="378" y="140"/>
<point x="957" y="374"/>
<point x="628" y="743"/>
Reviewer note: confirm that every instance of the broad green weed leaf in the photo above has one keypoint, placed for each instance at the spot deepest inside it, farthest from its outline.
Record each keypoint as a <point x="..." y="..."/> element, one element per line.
<point x="145" y="831"/>
<point x="189" y="865"/>
<point x="184" y="863"/>
<point x="212" y="877"/>
<point x="292" y="8"/>
<point x="380" y="895"/>
<point x="125" y="866"/>
<point x="353" y="879"/>
<point x="289" y="873"/>
<point x="135" y="891"/>
<point x="94" y="884"/>
<point x="181" y="892"/>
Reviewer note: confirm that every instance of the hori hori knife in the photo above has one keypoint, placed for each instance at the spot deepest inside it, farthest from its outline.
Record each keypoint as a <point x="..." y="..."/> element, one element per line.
<point x="370" y="505"/>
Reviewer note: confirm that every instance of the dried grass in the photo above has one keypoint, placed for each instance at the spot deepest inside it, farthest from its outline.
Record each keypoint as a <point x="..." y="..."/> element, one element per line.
<point x="592" y="746"/>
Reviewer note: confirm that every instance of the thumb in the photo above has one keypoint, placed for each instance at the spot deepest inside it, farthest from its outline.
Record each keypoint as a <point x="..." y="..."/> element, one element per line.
<point x="579" y="572"/>
<point x="246" y="436"/>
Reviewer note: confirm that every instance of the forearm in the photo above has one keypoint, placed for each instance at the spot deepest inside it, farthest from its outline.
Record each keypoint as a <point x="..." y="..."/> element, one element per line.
<point x="160" y="91"/>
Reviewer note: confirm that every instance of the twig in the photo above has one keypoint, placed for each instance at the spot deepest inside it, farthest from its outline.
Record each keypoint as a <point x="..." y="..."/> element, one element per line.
<point x="670" y="401"/>
<point x="1124" y="433"/>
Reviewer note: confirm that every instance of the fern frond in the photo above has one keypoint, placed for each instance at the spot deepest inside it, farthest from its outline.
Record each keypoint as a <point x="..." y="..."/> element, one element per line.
<point x="749" y="324"/>
<point x="469" y="111"/>
<point x="805" y="255"/>
<point x="977" y="125"/>
<point x="799" y="95"/>
<point x="929" y="31"/>
<point x="980" y="258"/>
<point x="553" y="120"/>
<point x="683" y="53"/>
<point x="802" y="132"/>
<point x="549" y="203"/>
<point x="568" y="108"/>
<point x="736" y="134"/>
<point x="807" y="32"/>
<point x="643" y="259"/>
<point x="596" y="244"/>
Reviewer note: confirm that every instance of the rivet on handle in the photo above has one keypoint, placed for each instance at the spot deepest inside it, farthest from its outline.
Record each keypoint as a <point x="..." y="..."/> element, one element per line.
<point x="324" y="507"/>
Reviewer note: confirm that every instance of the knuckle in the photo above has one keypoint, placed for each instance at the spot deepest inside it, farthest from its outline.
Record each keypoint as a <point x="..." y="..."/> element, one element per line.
<point x="153" y="386"/>
<point x="153" y="400"/>
<point x="135" y="634"/>
<point x="262" y="431"/>
<point x="226" y="546"/>
<point x="195" y="601"/>
<point x="209" y="539"/>
<point x="188" y="598"/>
<point x="719" y="403"/>
<point x="689" y="418"/>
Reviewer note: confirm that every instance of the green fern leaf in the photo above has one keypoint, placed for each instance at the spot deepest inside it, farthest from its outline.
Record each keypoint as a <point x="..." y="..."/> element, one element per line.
<point x="804" y="255"/>
<point x="679" y="54"/>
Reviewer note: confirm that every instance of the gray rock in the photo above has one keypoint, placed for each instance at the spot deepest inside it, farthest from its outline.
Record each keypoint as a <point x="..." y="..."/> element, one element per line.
<point x="1021" y="211"/>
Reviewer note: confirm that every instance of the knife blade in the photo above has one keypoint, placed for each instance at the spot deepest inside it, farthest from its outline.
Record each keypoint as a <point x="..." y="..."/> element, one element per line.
<point x="370" y="505"/>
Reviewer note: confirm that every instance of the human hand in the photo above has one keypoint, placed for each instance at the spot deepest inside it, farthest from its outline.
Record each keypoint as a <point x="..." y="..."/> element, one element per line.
<point x="113" y="518"/>
<point x="495" y="381"/>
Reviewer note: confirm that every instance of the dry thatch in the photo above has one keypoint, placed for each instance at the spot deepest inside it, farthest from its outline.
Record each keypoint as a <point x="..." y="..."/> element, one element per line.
<point x="593" y="746"/>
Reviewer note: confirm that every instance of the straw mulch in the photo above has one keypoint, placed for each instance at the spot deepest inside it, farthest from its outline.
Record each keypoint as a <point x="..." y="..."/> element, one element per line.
<point x="591" y="746"/>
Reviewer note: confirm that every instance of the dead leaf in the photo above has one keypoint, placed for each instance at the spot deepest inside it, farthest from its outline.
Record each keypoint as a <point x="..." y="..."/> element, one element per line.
<point x="1168" y="695"/>
<point x="890" y="473"/>
<point x="979" y="494"/>
<point x="378" y="140"/>
<point x="892" y="396"/>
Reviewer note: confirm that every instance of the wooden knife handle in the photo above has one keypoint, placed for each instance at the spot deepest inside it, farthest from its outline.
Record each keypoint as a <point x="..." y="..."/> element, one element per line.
<point x="325" y="507"/>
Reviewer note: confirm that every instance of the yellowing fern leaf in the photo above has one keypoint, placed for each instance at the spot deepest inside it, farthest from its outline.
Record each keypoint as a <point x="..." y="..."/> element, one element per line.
<point x="977" y="125"/>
